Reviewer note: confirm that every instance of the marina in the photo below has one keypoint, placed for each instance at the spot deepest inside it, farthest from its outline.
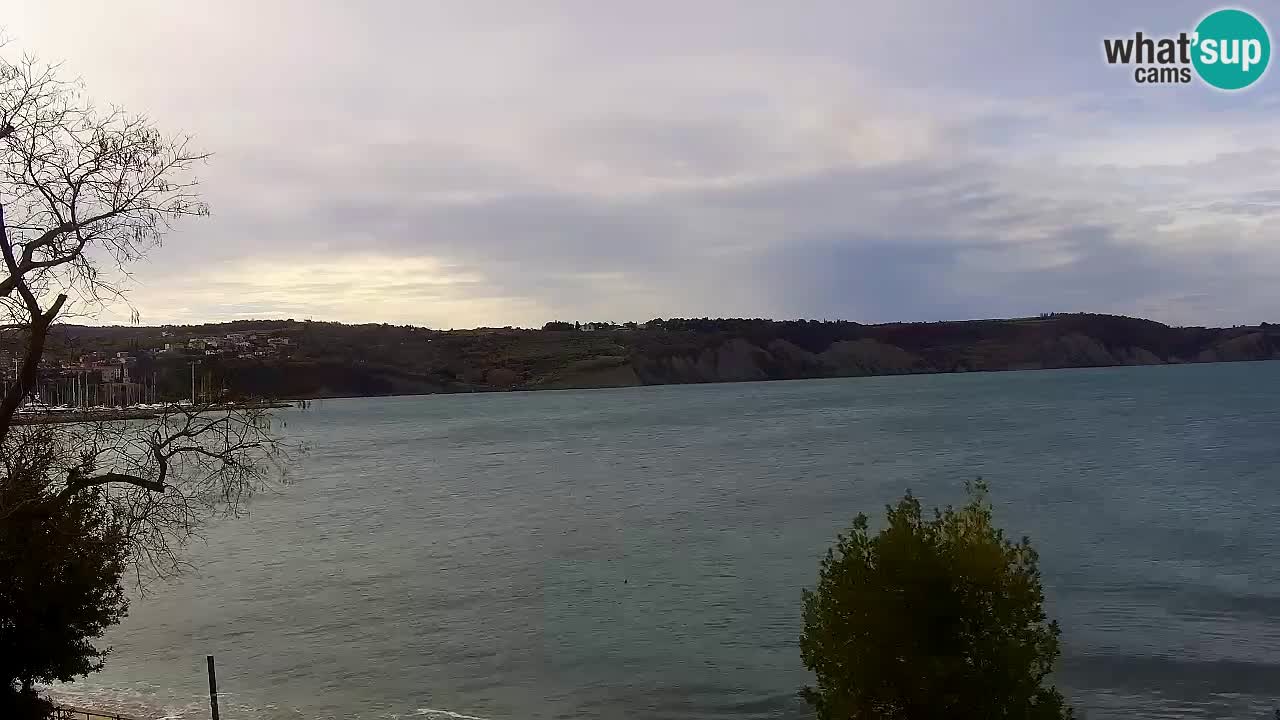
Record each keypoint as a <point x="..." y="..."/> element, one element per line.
<point x="41" y="414"/>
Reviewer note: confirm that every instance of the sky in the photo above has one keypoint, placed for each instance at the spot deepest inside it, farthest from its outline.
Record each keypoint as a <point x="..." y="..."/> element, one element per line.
<point x="478" y="163"/>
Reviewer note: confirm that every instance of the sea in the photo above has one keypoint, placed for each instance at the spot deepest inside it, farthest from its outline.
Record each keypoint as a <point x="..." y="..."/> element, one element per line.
<point x="640" y="552"/>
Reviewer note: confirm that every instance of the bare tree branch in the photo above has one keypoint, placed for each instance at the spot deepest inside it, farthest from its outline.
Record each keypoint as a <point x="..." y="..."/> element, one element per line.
<point x="76" y="484"/>
<point x="83" y="193"/>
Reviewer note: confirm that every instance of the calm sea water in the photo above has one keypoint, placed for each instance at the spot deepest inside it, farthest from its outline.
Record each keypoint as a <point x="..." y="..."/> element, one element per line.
<point x="639" y="553"/>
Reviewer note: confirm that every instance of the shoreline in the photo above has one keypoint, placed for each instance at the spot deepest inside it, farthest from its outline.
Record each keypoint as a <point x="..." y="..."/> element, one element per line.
<point x="55" y="418"/>
<point x="291" y="401"/>
<point x="62" y="418"/>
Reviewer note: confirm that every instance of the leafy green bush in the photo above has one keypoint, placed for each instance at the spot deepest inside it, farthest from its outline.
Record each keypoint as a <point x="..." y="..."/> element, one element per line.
<point x="929" y="619"/>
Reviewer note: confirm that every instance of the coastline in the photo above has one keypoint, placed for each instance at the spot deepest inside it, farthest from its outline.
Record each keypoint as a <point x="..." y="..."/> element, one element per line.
<point x="60" y="418"/>
<point x="332" y="360"/>
<point x="290" y="401"/>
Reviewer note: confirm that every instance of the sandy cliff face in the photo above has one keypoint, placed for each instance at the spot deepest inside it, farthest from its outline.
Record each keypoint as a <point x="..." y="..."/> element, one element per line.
<point x="1076" y="350"/>
<point x="598" y="372"/>
<point x="1138" y="356"/>
<point x="738" y="360"/>
<point x="1246" y="347"/>
<point x="869" y="357"/>
<point x="734" y="360"/>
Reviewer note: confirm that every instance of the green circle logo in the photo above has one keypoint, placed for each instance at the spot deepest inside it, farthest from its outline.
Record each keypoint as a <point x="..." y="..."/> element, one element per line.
<point x="1231" y="49"/>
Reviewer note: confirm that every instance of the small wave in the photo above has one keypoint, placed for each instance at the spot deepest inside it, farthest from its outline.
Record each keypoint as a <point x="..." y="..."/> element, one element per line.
<point x="143" y="703"/>
<point x="435" y="714"/>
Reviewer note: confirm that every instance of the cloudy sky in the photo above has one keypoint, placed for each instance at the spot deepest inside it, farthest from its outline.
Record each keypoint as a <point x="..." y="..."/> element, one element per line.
<point x="464" y="163"/>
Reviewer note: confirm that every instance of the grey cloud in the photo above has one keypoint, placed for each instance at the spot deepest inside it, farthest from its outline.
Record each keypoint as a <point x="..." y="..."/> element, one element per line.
<point x="878" y="161"/>
<point x="929" y="280"/>
<point x="1249" y="209"/>
<point x="868" y="243"/>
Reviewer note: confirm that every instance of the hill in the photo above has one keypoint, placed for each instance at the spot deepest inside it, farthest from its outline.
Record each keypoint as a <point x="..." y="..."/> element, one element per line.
<point x="292" y="359"/>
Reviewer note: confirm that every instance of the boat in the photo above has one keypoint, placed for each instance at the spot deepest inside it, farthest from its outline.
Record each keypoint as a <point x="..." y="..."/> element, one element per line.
<point x="31" y="408"/>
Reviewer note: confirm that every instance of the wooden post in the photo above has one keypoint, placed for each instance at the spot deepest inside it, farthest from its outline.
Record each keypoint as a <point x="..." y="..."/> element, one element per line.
<point x="213" y="688"/>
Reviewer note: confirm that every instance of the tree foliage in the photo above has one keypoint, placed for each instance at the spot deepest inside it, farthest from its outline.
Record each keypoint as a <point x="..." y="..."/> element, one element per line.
<point x="60" y="565"/>
<point x="929" y="618"/>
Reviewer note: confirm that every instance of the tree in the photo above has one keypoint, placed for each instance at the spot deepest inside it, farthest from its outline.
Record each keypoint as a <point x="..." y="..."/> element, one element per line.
<point x="930" y="618"/>
<point x="83" y="193"/>
<point x="61" y="563"/>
